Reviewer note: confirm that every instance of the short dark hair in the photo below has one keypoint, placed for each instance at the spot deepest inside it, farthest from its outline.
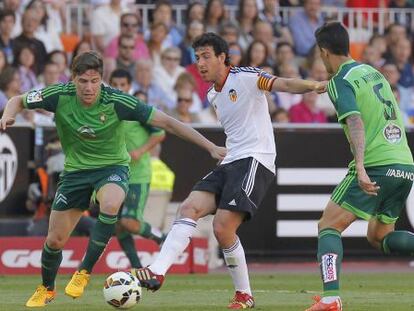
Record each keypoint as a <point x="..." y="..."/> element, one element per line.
<point x="87" y="61"/>
<point x="121" y="73"/>
<point x="5" y="13"/>
<point x="6" y="77"/>
<point x="334" y="37"/>
<point x="218" y="44"/>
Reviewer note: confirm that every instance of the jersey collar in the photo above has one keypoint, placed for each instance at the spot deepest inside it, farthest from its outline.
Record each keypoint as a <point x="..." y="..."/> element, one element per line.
<point x="218" y="87"/>
<point x="346" y="63"/>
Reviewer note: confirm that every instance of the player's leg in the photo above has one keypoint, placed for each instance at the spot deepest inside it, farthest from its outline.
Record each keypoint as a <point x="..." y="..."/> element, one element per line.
<point x="197" y="205"/>
<point x="61" y="224"/>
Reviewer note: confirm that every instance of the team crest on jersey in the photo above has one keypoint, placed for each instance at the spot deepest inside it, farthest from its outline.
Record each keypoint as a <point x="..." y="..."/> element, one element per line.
<point x="86" y="132"/>
<point x="392" y="133"/>
<point x="102" y="117"/>
<point x="233" y="95"/>
<point x="34" y="96"/>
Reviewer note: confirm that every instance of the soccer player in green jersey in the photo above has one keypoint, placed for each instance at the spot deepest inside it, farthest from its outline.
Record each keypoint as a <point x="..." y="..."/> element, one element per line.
<point x="381" y="174"/>
<point x="89" y="121"/>
<point x="140" y="139"/>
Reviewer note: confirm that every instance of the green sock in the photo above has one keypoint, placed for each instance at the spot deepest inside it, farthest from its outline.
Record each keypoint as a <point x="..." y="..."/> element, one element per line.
<point x="330" y="253"/>
<point x="101" y="233"/>
<point x="149" y="232"/>
<point x="51" y="259"/>
<point x="127" y="243"/>
<point x="399" y="243"/>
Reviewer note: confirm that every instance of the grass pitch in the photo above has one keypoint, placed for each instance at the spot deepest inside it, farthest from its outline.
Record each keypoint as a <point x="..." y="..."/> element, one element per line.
<point x="284" y="292"/>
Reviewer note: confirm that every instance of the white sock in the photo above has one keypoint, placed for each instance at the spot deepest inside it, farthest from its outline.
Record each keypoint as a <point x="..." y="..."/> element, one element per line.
<point x="177" y="241"/>
<point x="330" y="299"/>
<point x="236" y="264"/>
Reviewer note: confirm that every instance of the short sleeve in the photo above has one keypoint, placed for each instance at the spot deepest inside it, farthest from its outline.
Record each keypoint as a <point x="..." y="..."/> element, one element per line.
<point x="343" y="97"/>
<point x="46" y="98"/>
<point x="129" y="108"/>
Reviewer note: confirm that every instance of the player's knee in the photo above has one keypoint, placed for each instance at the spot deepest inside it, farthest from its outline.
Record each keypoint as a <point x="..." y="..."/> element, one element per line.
<point x="189" y="210"/>
<point x="55" y="242"/>
<point x="110" y="206"/>
<point x="222" y="233"/>
<point x="130" y="225"/>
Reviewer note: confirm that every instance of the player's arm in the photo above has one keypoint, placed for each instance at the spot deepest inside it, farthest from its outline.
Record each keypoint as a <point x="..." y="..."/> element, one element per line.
<point x="13" y="107"/>
<point x="162" y="120"/>
<point x="154" y="139"/>
<point x="267" y="82"/>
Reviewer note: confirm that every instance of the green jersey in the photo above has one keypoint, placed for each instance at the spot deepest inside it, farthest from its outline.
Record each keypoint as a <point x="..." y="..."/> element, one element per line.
<point x="137" y="135"/>
<point x="92" y="137"/>
<point x="360" y="89"/>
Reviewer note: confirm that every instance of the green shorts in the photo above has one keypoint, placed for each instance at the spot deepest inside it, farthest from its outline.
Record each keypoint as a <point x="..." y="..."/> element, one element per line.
<point x="135" y="201"/>
<point x="75" y="188"/>
<point x="395" y="183"/>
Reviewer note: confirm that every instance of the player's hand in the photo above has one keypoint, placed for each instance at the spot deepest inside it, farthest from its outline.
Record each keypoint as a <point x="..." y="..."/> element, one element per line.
<point x="6" y="122"/>
<point x="135" y="154"/>
<point x="320" y="87"/>
<point x="218" y="152"/>
<point x="368" y="186"/>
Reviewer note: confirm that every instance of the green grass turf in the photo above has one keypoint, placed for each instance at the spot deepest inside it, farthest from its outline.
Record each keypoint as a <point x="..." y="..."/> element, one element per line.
<point x="284" y="292"/>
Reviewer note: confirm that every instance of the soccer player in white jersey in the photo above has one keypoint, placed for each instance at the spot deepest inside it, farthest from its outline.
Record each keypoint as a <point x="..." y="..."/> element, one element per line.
<point x="234" y="190"/>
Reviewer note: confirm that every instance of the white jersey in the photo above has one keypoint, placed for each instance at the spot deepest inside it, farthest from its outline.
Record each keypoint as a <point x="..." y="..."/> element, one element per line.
<point x="242" y="110"/>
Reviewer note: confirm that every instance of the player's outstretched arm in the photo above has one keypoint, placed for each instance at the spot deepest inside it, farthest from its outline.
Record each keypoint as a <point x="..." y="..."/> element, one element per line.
<point x="298" y="86"/>
<point x="162" y="120"/>
<point x="13" y="107"/>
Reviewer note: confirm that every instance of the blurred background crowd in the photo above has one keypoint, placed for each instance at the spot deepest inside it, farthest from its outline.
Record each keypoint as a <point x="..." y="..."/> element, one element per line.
<point x="151" y="42"/>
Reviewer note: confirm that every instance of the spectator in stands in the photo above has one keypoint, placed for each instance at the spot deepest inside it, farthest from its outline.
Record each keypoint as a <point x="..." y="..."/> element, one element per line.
<point x="379" y="43"/>
<point x="50" y="74"/>
<point x="143" y="82"/>
<point x="195" y="12"/>
<point x="83" y="46"/>
<point x="141" y="95"/>
<point x="125" y="59"/>
<point x="287" y="100"/>
<point x="7" y="21"/>
<point x="393" y="33"/>
<point x="214" y="15"/>
<point x="129" y="25"/>
<point x="163" y="14"/>
<point x="3" y="60"/>
<point x="105" y="24"/>
<point x="30" y="23"/>
<point x="9" y="85"/>
<point x="186" y="81"/>
<point x="372" y="56"/>
<point x="403" y="18"/>
<point x="256" y="54"/>
<point x="247" y="16"/>
<point x="262" y="31"/>
<point x="24" y="61"/>
<point x="235" y="54"/>
<point x="306" y="111"/>
<point x="284" y="55"/>
<point x="401" y="53"/>
<point x="303" y="25"/>
<point x="270" y="15"/>
<point x="182" y="108"/>
<point x="165" y="76"/>
<point x="158" y="33"/>
<point x="59" y="58"/>
<point x="194" y="29"/>
<point x="229" y="32"/>
<point x="392" y="74"/>
<point x="15" y="7"/>
<point x="280" y="115"/>
<point x="48" y="31"/>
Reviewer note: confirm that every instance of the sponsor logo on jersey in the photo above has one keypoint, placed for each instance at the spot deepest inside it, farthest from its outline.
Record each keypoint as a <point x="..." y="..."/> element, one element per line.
<point x="86" y="132"/>
<point x="34" y="96"/>
<point x="233" y="95"/>
<point x="114" y="177"/>
<point x="392" y="133"/>
<point x="8" y="165"/>
<point x="328" y="266"/>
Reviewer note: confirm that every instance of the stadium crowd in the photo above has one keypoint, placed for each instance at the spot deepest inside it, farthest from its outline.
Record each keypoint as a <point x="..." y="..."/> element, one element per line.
<point x="160" y="58"/>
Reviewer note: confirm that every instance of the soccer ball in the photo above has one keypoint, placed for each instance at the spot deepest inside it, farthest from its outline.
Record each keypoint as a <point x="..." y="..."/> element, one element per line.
<point x="122" y="290"/>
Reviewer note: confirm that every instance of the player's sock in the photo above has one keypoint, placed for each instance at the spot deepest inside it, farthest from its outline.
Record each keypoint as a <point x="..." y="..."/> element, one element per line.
<point x="330" y="253"/>
<point x="127" y="243"/>
<point x="399" y="242"/>
<point x="236" y="264"/>
<point x="51" y="259"/>
<point x="149" y="232"/>
<point x="177" y="241"/>
<point x="101" y="233"/>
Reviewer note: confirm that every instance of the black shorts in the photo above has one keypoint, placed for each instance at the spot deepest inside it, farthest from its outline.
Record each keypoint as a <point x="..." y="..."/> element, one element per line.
<point x="239" y="186"/>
